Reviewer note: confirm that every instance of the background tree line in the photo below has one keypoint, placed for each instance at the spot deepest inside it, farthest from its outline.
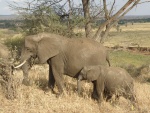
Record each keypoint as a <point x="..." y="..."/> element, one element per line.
<point x="15" y="23"/>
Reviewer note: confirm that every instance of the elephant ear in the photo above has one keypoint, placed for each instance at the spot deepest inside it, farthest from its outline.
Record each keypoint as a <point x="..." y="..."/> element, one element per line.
<point x="47" y="48"/>
<point x="92" y="75"/>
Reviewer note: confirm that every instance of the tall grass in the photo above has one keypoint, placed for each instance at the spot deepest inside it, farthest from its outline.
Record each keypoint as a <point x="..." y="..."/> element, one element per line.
<point x="33" y="99"/>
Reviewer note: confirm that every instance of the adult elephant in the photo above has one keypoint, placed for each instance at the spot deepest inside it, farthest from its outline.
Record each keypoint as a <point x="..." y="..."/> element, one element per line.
<point x="64" y="56"/>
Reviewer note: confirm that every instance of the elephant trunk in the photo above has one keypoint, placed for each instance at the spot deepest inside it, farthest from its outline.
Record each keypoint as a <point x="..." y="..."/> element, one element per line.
<point x="20" y="64"/>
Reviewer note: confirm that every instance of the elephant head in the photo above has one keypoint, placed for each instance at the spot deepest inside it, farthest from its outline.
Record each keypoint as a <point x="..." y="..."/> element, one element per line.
<point x="43" y="46"/>
<point x="89" y="73"/>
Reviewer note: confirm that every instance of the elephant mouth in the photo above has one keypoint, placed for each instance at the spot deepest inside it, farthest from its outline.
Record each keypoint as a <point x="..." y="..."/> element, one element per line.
<point x="20" y="64"/>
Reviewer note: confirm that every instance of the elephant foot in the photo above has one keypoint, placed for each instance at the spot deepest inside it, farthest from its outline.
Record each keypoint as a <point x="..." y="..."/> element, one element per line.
<point x="47" y="90"/>
<point x="62" y="94"/>
<point x="99" y="101"/>
<point x="27" y="82"/>
<point x="58" y="95"/>
<point x="94" y="96"/>
<point x="79" y="94"/>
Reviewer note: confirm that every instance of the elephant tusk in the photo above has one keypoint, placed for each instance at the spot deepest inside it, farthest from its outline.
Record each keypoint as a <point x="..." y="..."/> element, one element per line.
<point x="20" y="64"/>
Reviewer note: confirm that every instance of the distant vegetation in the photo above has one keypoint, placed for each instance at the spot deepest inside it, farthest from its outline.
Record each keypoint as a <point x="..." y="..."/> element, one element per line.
<point x="143" y="20"/>
<point x="10" y="23"/>
<point x="14" y="22"/>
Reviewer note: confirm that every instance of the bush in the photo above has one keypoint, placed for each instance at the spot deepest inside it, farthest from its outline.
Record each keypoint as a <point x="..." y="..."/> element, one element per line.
<point x="132" y="70"/>
<point x="14" y="45"/>
<point x="142" y="73"/>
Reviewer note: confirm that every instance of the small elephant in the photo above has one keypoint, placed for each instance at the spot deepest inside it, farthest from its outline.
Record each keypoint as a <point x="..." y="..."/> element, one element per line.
<point x="108" y="81"/>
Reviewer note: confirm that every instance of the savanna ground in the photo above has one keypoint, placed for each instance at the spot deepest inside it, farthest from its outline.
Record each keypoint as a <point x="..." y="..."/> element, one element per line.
<point x="33" y="99"/>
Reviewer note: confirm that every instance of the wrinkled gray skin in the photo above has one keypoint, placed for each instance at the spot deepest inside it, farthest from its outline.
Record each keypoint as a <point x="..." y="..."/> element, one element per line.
<point x="64" y="56"/>
<point x="109" y="81"/>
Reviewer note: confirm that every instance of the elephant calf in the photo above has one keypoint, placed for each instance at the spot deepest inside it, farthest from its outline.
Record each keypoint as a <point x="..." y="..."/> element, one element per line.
<point x="108" y="81"/>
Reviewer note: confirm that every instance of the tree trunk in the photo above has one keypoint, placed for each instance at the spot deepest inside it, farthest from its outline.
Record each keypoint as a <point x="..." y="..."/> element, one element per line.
<point x="70" y="30"/>
<point x="113" y="19"/>
<point x="85" y="4"/>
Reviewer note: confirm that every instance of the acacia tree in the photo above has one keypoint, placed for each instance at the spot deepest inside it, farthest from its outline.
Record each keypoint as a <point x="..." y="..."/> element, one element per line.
<point x="39" y="16"/>
<point x="49" y="12"/>
<point x="110" y="18"/>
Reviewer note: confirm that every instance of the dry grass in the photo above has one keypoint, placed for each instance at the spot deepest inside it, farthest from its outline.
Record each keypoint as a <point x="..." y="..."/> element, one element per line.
<point x="130" y="35"/>
<point x="138" y="33"/>
<point x="134" y="27"/>
<point x="33" y="99"/>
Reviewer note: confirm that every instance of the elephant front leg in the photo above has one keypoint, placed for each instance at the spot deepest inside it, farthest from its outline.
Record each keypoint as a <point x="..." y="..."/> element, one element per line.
<point x="100" y="90"/>
<point x="57" y="66"/>
<point x="94" y="93"/>
<point x="59" y="81"/>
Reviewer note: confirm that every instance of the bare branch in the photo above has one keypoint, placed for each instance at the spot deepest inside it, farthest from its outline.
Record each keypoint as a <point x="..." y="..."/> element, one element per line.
<point x="143" y="2"/>
<point x="112" y="7"/>
<point x="92" y="18"/>
<point x="128" y="10"/>
<point x="114" y="17"/>
<point x="123" y="8"/>
<point x="115" y="21"/>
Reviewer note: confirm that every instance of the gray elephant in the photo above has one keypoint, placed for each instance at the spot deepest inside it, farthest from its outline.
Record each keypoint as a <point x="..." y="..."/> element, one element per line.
<point x="109" y="81"/>
<point x="64" y="56"/>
